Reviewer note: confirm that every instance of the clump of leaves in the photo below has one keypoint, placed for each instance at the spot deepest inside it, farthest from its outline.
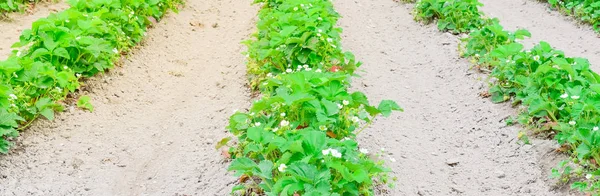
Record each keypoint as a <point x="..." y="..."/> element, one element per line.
<point x="587" y="11"/>
<point x="456" y="16"/>
<point x="84" y="103"/>
<point x="561" y="95"/>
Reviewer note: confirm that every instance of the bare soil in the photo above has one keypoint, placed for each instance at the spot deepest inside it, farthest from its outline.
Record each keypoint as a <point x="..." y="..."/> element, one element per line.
<point x="159" y="116"/>
<point x="156" y="119"/>
<point x="450" y="141"/>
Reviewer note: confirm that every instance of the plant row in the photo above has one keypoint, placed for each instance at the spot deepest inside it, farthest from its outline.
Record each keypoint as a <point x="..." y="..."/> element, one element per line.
<point x="559" y="95"/>
<point x="7" y="6"/>
<point x="587" y="11"/>
<point x="299" y="138"/>
<point x="58" y="51"/>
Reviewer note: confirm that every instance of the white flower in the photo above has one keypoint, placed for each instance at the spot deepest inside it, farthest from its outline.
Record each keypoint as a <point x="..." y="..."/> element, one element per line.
<point x="335" y="153"/>
<point x="288" y="70"/>
<point x="115" y="51"/>
<point x="556" y="67"/>
<point x="575" y="97"/>
<point x="65" y="67"/>
<point x="269" y="75"/>
<point x="572" y="122"/>
<point x="477" y="55"/>
<point x="345" y="102"/>
<point x="252" y="114"/>
<point x="355" y="119"/>
<point x="78" y="75"/>
<point x="536" y="58"/>
<point x="595" y="128"/>
<point x="323" y="128"/>
<point x="77" y="38"/>
<point x="282" y="114"/>
<point x="13" y="105"/>
<point x="301" y="5"/>
<point x="305" y="66"/>
<point x="333" y="46"/>
<point x="284" y="123"/>
<point x="319" y="34"/>
<point x="329" y="40"/>
<point x="318" y="71"/>
<point x="319" y="18"/>
<point x="507" y="61"/>
<point x="589" y="176"/>
<point x="340" y="106"/>
<point x="392" y="159"/>
<point x="364" y="151"/>
<point x="564" y="96"/>
<point x="295" y="8"/>
<point x="275" y="129"/>
<point x="319" y="30"/>
<point x="382" y="149"/>
<point x="257" y="124"/>
<point x="19" y="54"/>
<point x="345" y="138"/>
<point x="12" y="96"/>
<point x="308" y="69"/>
<point x="67" y="21"/>
<point x="282" y="167"/>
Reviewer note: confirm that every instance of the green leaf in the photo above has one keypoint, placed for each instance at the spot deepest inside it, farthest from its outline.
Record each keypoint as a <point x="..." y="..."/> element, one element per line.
<point x="62" y="52"/>
<point x="265" y="169"/>
<point x="314" y="142"/>
<point x="84" y="103"/>
<point x="387" y="106"/>
<point x="9" y="119"/>
<point x="255" y="133"/>
<point x="39" y="52"/>
<point x="242" y="164"/>
<point x="360" y="175"/>
<point x="582" y="151"/>
<point x="48" y="113"/>
<point x="330" y="107"/>
<point x="222" y="143"/>
<point x="287" y="30"/>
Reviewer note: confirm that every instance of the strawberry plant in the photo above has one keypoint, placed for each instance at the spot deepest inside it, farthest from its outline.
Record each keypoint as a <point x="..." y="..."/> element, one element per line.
<point x="456" y="16"/>
<point x="296" y="35"/>
<point x="560" y="95"/>
<point x="587" y="11"/>
<point x="299" y="138"/>
<point x="52" y="56"/>
<point x="7" y="6"/>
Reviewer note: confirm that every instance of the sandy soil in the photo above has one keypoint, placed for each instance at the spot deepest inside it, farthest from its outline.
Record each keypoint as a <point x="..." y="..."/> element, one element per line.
<point x="449" y="141"/>
<point x="157" y="118"/>
<point x="17" y="22"/>
<point x="562" y="32"/>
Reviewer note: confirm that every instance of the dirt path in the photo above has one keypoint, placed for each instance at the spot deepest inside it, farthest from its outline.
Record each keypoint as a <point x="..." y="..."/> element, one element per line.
<point x="12" y="28"/>
<point x="157" y="118"/>
<point x="559" y="30"/>
<point x="449" y="141"/>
